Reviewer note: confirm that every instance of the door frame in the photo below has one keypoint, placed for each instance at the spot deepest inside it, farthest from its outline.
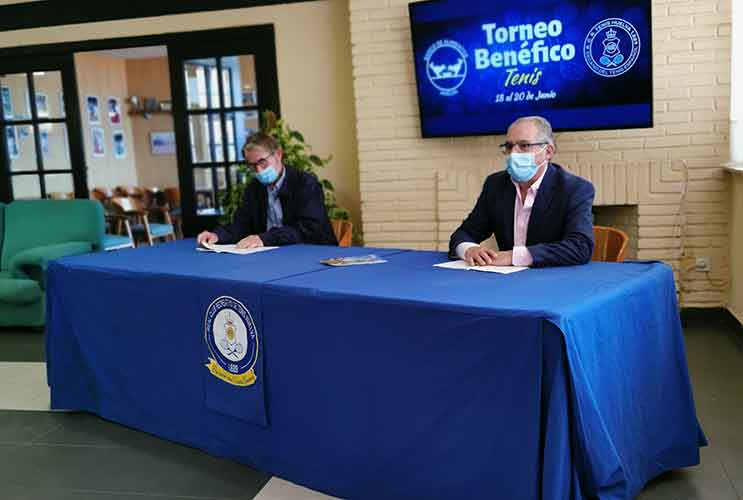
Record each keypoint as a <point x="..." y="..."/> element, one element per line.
<point x="258" y="41"/>
<point x="66" y="66"/>
<point x="259" y="37"/>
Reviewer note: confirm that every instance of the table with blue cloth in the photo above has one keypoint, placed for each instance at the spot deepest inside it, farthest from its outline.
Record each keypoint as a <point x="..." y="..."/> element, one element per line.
<point x="388" y="381"/>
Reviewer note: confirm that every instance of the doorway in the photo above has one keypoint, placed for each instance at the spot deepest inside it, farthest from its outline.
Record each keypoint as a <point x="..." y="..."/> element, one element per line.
<point x="220" y="81"/>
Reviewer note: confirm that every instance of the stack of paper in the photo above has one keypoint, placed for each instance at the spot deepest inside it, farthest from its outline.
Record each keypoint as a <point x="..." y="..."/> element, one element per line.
<point x="208" y="247"/>
<point x="463" y="266"/>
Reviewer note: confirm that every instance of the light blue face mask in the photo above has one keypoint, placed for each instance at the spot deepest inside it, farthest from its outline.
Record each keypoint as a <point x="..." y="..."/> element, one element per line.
<point x="521" y="166"/>
<point x="267" y="176"/>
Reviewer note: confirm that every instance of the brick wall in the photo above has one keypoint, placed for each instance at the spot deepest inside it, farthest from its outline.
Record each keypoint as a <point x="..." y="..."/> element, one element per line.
<point x="414" y="192"/>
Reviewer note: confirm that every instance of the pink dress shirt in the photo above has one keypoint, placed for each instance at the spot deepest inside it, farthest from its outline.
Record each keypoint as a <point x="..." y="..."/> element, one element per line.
<point x="521" y="214"/>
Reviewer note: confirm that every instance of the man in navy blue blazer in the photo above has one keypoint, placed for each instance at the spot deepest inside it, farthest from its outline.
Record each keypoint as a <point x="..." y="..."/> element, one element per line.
<point x="281" y="206"/>
<point x="540" y="213"/>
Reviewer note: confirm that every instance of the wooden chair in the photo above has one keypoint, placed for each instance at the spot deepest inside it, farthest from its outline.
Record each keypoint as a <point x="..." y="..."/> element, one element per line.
<point x="129" y="191"/>
<point x="343" y="230"/>
<point x="154" y="196"/>
<point x="58" y="195"/>
<point x="154" y="200"/>
<point x="141" y="226"/>
<point x="610" y="244"/>
<point x="103" y="195"/>
<point x="120" y="234"/>
<point x="173" y="197"/>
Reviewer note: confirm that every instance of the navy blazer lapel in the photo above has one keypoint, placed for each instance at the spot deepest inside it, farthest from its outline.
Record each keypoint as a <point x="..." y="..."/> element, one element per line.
<point x="541" y="203"/>
<point x="509" y="200"/>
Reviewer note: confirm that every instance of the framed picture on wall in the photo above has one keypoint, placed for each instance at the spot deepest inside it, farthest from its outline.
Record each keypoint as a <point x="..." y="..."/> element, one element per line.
<point x="14" y="150"/>
<point x="42" y="105"/>
<point x="162" y="143"/>
<point x="97" y="142"/>
<point x="7" y="98"/>
<point x="66" y="144"/>
<point x="118" y="139"/>
<point x="114" y="111"/>
<point x="44" y="139"/>
<point x="94" y="114"/>
<point x="249" y="98"/>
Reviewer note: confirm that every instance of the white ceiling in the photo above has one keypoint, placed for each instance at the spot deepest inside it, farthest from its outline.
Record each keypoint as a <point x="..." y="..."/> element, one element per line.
<point x="137" y="52"/>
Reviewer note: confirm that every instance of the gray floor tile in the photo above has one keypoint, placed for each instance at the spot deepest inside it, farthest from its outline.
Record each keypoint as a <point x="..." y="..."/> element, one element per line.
<point x="22" y="345"/>
<point x="707" y="481"/>
<point x="26" y="426"/>
<point x="36" y="493"/>
<point x="170" y="470"/>
<point x="85" y="429"/>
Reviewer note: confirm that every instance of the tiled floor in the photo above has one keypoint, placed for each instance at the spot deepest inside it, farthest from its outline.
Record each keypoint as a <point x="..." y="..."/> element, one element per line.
<point x="61" y="456"/>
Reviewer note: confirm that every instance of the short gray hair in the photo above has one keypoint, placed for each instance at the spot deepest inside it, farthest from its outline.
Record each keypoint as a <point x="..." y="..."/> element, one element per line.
<point x="543" y="126"/>
<point x="261" y="140"/>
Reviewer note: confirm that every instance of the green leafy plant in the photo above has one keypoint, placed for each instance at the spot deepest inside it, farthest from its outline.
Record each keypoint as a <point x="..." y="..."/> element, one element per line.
<point x="298" y="154"/>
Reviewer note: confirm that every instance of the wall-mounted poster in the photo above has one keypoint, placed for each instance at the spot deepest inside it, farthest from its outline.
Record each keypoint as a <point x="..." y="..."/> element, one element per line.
<point x="99" y="147"/>
<point x="44" y="138"/>
<point x="7" y="98"/>
<point x="119" y="144"/>
<point x="162" y="143"/>
<point x="14" y="150"/>
<point x="42" y="105"/>
<point x="114" y="111"/>
<point x="94" y="114"/>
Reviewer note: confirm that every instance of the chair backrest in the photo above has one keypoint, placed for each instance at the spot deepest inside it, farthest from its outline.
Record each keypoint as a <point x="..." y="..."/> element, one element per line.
<point x="343" y="230"/>
<point x="59" y="195"/>
<point x="173" y="195"/>
<point x="610" y="244"/>
<point x="101" y="194"/>
<point x="33" y="223"/>
<point x="131" y="191"/>
<point x="123" y="204"/>
<point x="154" y="197"/>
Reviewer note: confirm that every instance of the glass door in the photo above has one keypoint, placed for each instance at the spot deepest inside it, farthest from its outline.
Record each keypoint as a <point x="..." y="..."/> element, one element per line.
<point x="220" y="89"/>
<point x="41" y="153"/>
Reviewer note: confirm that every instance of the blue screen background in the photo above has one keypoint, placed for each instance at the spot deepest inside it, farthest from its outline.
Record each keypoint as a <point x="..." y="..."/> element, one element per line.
<point x="576" y="97"/>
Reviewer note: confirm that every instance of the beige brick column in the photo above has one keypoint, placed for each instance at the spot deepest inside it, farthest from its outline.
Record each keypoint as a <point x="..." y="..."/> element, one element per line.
<point x="736" y="85"/>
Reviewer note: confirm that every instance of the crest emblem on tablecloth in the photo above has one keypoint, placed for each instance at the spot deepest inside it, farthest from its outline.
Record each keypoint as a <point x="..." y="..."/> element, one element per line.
<point x="232" y="339"/>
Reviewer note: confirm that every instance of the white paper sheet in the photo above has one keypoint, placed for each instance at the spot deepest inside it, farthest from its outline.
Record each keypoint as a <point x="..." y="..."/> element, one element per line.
<point x="463" y="266"/>
<point x="206" y="247"/>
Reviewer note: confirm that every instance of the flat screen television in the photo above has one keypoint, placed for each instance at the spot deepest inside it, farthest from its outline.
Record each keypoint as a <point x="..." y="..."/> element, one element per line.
<point x="582" y="64"/>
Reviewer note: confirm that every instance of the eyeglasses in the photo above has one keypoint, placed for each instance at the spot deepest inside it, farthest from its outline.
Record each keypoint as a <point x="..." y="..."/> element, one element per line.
<point x="507" y="147"/>
<point x="263" y="162"/>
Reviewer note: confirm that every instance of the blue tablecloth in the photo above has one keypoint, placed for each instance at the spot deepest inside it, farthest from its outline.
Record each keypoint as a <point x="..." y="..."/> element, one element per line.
<point x="388" y="381"/>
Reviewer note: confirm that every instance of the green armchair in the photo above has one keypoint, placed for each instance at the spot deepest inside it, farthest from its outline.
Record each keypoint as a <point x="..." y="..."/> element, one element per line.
<point x="32" y="234"/>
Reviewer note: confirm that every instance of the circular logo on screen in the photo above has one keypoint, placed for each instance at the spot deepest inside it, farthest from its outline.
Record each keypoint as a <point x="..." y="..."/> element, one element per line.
<point x="611" y="47"/>
<point x="232" y="339"/>
<point x="446" y="66"/>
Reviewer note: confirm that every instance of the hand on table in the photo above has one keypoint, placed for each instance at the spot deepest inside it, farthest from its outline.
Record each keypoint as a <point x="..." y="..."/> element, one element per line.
<point x="207" y="237"/>
<point x="481" y="256"/>
<point x="252" y="241"/>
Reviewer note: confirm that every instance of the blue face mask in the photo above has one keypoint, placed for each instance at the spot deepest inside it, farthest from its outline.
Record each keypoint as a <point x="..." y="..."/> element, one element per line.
<point x="521" y="166"/>
<point x="267" y="176"/>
